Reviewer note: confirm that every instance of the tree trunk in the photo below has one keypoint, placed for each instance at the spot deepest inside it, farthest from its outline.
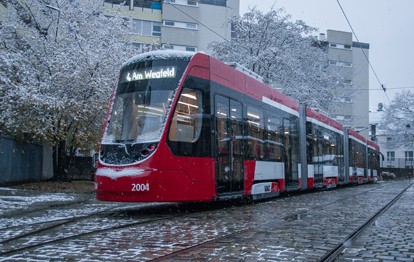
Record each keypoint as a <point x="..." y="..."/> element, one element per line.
<point x="60" y="162"/>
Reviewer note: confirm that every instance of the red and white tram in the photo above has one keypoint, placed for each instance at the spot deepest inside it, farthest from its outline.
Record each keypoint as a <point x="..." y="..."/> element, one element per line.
<point x="187" y="127"/>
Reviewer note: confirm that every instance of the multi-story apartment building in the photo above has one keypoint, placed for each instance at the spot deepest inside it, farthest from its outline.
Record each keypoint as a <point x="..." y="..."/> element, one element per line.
<point x="349" y="59"/>
<point x="188" y="25"/>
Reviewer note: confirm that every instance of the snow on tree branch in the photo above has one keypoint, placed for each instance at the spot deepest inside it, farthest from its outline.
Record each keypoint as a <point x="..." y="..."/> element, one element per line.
<point x="285" y="54"/>
<point x="57" y="69"/>
<point x="398" y="120"/>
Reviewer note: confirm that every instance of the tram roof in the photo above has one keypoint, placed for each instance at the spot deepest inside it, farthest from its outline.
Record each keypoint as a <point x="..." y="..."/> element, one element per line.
<point x="159" y="54"/>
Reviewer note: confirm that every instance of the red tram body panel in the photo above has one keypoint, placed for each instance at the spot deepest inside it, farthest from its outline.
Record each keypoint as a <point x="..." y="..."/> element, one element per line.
<point x="187" y="127"/>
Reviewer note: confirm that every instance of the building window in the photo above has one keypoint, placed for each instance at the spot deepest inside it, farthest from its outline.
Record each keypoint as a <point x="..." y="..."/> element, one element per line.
<point x="193" y="3"/>
<point x="214" y="2"/>
<point x="156" y="29"/>
<point x="180" y="47"/>
<point x="333" y="62"/>
<point x="147" y="28"/>
<point x="191" y="26"/>
<point x="183" y="2"/>
<point x="340" y="46"/>
<point x="409" y="156"/>
<point x="391" y="156"/>
<point x="340" y="63"/>
<point x="348" y="100"/>
<point x="233" y="31"/>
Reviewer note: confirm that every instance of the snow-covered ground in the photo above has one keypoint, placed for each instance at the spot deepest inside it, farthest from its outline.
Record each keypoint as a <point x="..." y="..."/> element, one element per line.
<point x="13" y="201"/>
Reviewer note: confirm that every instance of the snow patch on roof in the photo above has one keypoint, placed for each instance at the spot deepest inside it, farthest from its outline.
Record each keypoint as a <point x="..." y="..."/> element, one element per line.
<point x="114" y="174"/>
<point x="159" y="54"/>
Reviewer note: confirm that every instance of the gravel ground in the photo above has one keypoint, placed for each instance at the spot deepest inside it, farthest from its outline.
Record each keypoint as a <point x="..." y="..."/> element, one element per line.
<point x="58" y="186"/>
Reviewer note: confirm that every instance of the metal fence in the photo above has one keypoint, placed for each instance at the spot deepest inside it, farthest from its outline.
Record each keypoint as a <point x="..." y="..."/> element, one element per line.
<point x="20" y="161"/>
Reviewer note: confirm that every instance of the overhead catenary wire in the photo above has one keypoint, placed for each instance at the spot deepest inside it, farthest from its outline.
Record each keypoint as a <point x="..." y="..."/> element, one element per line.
<point x="348" y="21"/>
<point x="366" y="57"/>
<point x="388" y="88"/>
<point x="196" y="20"/>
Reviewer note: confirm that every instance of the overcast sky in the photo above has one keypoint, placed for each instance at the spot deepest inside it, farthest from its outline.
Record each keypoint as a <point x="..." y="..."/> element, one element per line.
<point x="388" y="26"/>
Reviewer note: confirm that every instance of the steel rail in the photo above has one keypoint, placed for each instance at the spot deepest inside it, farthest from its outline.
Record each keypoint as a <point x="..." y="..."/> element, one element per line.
<point x="337" y="251"/>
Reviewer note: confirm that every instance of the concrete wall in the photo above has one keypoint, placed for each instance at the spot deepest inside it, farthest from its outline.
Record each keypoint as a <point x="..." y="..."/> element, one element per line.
<point x="215" y="18"/>
<point x="179" y="36"/>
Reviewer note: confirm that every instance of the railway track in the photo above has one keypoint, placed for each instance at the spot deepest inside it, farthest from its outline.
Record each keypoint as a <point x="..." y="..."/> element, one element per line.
<point x="331" y="255"/>
<point x="150" y="218"/>
<point x="148" y="213"/>
<point x="337" y="251"/>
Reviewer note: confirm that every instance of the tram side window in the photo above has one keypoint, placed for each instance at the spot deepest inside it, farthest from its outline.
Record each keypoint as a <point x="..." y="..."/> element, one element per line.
<point x="187" y="119"/>
<point x="274" y="139"/>
<point x="328" y="147"/>
<point x="317" y="144"/>
<point x="357" y="154"/>
<point x="255" y="130"/>
<point x="373" y="160"/>
<point x="361" y="156"/>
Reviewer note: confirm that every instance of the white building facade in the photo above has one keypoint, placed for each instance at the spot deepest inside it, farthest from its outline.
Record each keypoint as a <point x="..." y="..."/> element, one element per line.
<point x="349" y="60"/>
<point x="186" y="25"/>
<point x="394" y="156"/>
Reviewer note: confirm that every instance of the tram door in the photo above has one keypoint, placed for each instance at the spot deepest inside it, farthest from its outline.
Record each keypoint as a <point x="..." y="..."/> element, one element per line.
<point x="229" y="142"/>
<point x="291" y="154"/>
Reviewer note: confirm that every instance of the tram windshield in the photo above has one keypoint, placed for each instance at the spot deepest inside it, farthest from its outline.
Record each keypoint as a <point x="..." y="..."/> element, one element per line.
<point x="138" y="116"/>
<point x="142" y="101"/>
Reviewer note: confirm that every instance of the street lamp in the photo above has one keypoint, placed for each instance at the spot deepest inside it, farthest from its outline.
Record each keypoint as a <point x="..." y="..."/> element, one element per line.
<point x="359" y="129"/>
<point x="408" y="142"/>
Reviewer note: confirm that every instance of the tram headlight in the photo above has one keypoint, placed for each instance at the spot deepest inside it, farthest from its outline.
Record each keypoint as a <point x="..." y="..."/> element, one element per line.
<point x="148" y="150"/>
<point x="145" y="153"/>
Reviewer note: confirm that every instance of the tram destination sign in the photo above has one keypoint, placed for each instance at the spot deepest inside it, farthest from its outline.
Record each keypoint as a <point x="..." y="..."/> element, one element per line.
<point x="149" y="73"/>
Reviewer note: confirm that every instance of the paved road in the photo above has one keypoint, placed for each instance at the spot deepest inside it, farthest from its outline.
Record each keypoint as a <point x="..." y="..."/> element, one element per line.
<point x="297" y="228"/>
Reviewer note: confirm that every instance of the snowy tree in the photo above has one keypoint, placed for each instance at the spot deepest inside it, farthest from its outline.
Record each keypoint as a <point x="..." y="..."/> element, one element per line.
<point x="398" y="120"/>
<point x="285" y="54"/>
<point x="58" y="63"/>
